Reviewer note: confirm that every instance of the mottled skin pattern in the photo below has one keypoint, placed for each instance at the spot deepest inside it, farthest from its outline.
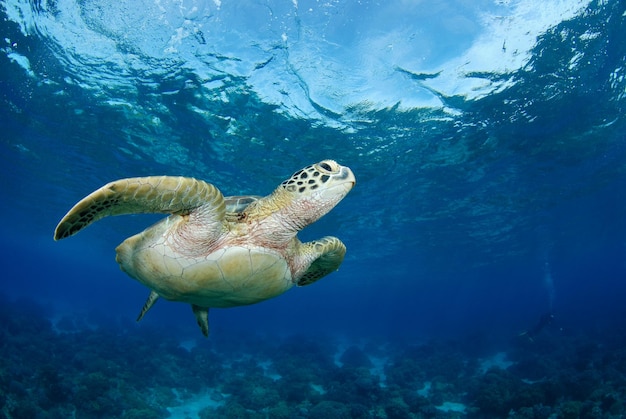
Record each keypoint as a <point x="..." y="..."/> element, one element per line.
<point x="220" y="252"/>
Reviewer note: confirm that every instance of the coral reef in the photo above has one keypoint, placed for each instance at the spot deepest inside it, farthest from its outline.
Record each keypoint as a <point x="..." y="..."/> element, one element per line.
<point x="110" y="370"/>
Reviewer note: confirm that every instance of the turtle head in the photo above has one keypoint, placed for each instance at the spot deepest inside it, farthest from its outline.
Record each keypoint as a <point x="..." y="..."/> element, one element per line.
<point x="312" y="192"/>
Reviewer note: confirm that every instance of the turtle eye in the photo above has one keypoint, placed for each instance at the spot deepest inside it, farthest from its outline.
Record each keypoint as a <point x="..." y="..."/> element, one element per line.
<point x="328" y="166"/>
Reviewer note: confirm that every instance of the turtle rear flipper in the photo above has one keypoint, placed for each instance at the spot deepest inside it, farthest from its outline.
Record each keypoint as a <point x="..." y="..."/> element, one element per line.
<point x="328" y="254"/>
<point x="152" y="298"/>
<point x="153" y="194"/>
<point x="202" y="317"/>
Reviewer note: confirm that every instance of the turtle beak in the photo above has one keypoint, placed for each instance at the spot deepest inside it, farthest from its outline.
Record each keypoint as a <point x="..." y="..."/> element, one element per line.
<point x="347" y="175"/>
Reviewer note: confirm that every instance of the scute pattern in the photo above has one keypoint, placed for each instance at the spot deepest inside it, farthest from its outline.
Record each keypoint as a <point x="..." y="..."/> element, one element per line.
<point x="317" y="175"/>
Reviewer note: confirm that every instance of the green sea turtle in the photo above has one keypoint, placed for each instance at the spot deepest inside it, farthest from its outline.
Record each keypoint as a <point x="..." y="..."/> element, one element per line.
<point x="214" y="251"/>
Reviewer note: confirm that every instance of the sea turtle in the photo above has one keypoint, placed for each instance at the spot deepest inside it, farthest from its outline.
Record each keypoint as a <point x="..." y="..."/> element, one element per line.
<point x="214" y="251"/>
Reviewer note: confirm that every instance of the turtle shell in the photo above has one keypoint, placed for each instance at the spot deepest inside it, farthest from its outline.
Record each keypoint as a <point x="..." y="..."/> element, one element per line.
<point x="238" y="204"/>
<point x="226" y="276"/>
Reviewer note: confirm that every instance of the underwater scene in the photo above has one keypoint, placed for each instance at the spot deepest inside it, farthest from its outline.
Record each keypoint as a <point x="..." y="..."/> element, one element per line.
<point x="313" y="209"/>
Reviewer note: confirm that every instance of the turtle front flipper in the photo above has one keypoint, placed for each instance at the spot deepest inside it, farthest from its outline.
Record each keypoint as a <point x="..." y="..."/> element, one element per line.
<point x="327" y="254"/>
<point x="153" y="194"/>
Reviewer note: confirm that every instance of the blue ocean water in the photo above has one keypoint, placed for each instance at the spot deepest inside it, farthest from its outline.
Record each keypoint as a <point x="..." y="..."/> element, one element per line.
<point x="485" y="274"/>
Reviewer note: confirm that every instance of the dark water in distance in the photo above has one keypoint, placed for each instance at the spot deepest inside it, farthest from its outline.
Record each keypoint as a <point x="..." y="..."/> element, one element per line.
<point x="487" y="140"/>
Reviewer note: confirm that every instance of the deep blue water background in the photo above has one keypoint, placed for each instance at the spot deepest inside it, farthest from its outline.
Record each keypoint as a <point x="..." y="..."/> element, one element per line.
<point x="486" y="197"/>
